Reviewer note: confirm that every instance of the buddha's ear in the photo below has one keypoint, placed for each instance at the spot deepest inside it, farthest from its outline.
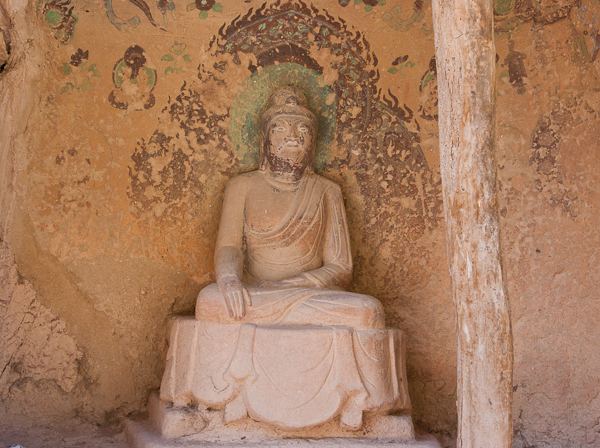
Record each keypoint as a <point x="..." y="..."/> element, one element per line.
<point x="262" y="150"/>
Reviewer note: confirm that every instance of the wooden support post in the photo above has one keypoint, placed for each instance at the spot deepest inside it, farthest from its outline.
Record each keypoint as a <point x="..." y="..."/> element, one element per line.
<point x="465" y="54"/>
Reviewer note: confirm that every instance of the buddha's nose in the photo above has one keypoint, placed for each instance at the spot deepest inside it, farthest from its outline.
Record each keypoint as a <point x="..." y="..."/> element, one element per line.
<point x="292" y="137"/>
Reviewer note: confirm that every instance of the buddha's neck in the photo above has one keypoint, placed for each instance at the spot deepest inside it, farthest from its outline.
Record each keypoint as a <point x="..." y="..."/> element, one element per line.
<point x="284" y="181"/>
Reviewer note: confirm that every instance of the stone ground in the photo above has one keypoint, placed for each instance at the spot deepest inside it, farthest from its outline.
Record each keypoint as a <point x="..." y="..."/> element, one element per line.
<point x="64" y="434"/>
<point x="73" y="433"/>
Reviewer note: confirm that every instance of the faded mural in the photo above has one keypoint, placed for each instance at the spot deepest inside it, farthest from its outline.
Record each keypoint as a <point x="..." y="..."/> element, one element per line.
<point x="148" y="108"/>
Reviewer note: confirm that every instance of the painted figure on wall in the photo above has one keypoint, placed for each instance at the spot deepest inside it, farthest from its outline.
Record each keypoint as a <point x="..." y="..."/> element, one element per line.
<point x="133" y="80"/>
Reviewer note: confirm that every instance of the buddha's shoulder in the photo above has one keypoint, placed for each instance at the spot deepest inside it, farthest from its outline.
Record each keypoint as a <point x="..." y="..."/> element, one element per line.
<point x="243" y="181"/>
<point x="326" y="184"/>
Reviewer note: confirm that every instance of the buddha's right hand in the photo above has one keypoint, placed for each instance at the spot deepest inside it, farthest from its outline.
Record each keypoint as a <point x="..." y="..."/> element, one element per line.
<point x="235" y="295"/>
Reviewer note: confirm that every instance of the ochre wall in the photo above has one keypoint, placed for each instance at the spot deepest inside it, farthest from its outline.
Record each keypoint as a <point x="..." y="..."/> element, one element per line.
<point x="121" y="127"/>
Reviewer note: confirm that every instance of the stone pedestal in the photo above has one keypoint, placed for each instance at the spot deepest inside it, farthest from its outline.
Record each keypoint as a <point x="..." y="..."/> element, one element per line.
<point x="379" y="431"/>
<point x="189" y="422"/>
<point x="266" y="385"/>
<point x="291" y="377"/>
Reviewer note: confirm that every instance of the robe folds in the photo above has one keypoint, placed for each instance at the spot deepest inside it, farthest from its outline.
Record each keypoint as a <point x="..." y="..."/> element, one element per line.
<point x="311" y="242"/>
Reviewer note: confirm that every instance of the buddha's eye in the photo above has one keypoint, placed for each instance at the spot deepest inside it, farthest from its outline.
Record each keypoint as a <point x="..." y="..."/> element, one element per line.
<point x="279" y="127"/>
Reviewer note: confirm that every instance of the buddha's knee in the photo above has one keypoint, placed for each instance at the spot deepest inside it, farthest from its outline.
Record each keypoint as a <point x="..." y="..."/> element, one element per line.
<point x="209" y="304"/>
<point x="373" y="315"/>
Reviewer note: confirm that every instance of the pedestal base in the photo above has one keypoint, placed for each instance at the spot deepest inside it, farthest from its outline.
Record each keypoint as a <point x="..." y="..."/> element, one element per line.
<point x="143" y="435"/>
<point x="291" y="377"/>
<point x="174" y="422"/>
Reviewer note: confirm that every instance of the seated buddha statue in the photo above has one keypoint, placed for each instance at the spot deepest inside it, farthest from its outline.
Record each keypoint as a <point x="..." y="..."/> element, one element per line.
<point x="283" y="251"/>
<point x="278" y="340"/>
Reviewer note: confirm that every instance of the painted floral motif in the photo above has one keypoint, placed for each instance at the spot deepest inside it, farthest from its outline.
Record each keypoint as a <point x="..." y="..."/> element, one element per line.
<point x="400" y="63"/>
<point x="164" y="6"/>
<point x="79" y="73"/>
<point x="59" y="16"/>
<point x="204" y="6"/>
<point x="176" y="58"/>
<point x="401" y="19"/>
<point x="369" y="4"/>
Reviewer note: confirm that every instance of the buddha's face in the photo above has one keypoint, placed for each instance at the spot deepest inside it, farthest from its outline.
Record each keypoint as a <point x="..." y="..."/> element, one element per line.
<point x="291" y="142"/>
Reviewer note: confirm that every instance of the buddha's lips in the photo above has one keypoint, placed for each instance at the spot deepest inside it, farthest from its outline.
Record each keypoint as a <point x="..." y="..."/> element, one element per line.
<point x="290" y="150"/>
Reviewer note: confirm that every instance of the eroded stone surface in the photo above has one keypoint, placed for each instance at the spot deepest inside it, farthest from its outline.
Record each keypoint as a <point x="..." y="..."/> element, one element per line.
<point x="37" y="356"/>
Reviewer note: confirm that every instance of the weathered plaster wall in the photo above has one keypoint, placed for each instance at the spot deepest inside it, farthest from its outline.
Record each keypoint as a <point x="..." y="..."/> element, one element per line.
<point x="125" y="119"/>
<point x="549" y="129"/>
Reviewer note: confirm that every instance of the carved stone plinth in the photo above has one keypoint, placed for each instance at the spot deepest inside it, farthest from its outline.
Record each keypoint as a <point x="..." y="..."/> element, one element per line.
<point x="379" y="431"/>
<point x="209" y="425"/>
<point x="271" y="385"/>
<point x="290" y="377"/>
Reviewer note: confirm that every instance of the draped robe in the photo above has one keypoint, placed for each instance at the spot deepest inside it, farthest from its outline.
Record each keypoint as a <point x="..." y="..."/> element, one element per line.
<point x="312" y="242"/>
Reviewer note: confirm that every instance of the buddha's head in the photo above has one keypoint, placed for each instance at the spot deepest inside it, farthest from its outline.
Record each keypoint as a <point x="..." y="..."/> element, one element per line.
<point x="288" y="134"/>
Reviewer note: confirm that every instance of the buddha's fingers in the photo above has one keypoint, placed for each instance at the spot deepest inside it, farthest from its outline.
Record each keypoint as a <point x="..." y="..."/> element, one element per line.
<point x="228" y="300"/>
<point x="247" y="298"/>
<point x="236" y="305"/>
<point x="232" y="303"/>
<point x="239" y="305"/>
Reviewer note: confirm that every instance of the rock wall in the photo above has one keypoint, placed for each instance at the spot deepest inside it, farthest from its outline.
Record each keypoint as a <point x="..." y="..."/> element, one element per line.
<point x="123" y="120"/>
